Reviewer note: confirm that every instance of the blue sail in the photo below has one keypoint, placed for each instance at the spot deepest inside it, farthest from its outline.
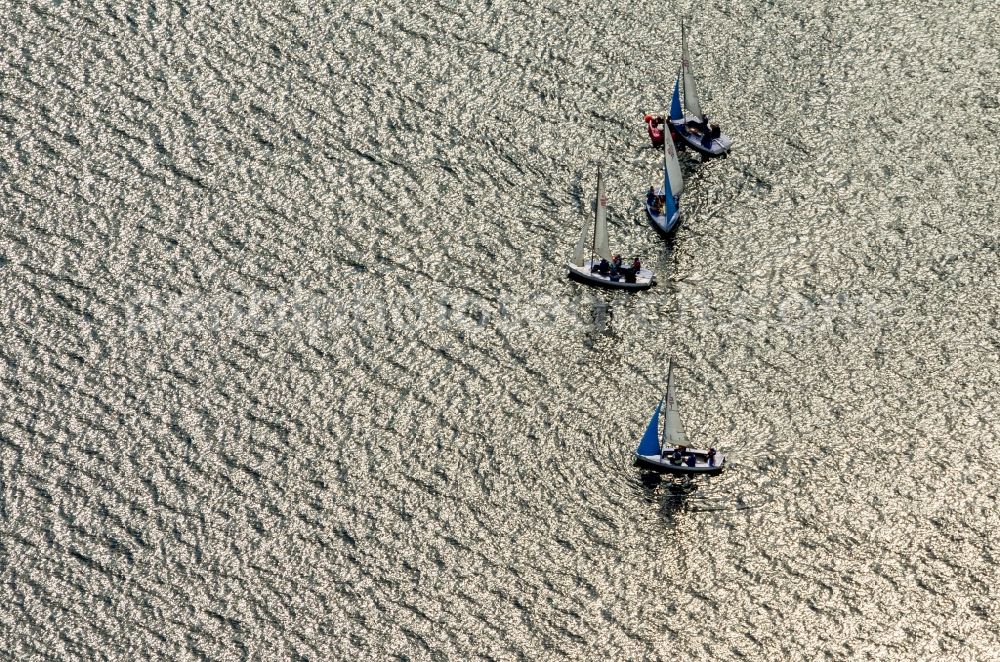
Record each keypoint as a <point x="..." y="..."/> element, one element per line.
<point x="650" y="442"/>
<point x="675" y="104"/>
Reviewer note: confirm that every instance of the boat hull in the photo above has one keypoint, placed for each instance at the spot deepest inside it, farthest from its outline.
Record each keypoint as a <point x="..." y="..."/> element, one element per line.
<point x="720" y="146"/>
<point x="660" y="222"/>
<point x="644" y="278"/>
<point x="662" y="464"/>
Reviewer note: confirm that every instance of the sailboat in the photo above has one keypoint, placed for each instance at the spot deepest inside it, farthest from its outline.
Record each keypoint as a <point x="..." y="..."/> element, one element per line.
<point x="668" y="451"/>
<point x="692" y="127"/>
<point x="603" y="272"/>
<point x="663" y="202"/>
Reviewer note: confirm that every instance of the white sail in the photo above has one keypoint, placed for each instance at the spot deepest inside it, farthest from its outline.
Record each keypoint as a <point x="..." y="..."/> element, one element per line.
<point x="601" y="221"/>
<point x="673" y="428"/>
<point x="690" y="90"/>
<point x="673" y="165"/>
<point x="581" y="245"/>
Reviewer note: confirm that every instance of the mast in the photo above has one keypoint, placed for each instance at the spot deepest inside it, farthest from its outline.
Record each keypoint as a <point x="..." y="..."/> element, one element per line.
<point x="666" y="176"/>
<point x="601" y="223"/>
<point x="597" y="203"/>
<point x="673" y="428"/>
<point x="668" y="399"/>
<point x="690" y="89"/>
<point x="670" y="387"/>
<point x="683" y="63"/>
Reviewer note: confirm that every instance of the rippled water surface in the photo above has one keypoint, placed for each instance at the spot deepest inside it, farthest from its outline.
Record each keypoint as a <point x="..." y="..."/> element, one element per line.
<point x="291" y="368"/>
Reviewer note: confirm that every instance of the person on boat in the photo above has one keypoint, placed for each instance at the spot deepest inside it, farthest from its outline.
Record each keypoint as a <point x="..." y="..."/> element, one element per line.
<point x="706" y="140"/>
<point x="655" y="129"/>
<point x="655" y="136"/>
<point x="715" y="132"/>
<point x="690" y="460"/>
<point x="651" y="197"/>
<point x="653" y="121"/>
<point x="603" y="268"/>
<point x="617" y="261"/>
<point x="711" y="457"/>
<point x="636" y="265"/>
<point x="675" y="457"/>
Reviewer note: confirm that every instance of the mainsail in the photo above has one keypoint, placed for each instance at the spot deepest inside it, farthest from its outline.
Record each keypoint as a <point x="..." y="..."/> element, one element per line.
<point x="673" y="167"/>
<point x="673" y="429"/>
<point x="690" y="91"/>
<point x="601" y="221"/>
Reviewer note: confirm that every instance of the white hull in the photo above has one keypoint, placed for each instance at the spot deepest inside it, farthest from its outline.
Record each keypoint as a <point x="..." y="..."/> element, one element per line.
<point x="643" y="280"/>
<point x="664" y="462"/>
<point x="659" y="219"/>
<point x="719" y="146"/>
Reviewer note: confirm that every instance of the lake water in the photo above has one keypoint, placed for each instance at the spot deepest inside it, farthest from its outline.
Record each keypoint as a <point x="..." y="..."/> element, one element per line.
<point x="291" y="368"/>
